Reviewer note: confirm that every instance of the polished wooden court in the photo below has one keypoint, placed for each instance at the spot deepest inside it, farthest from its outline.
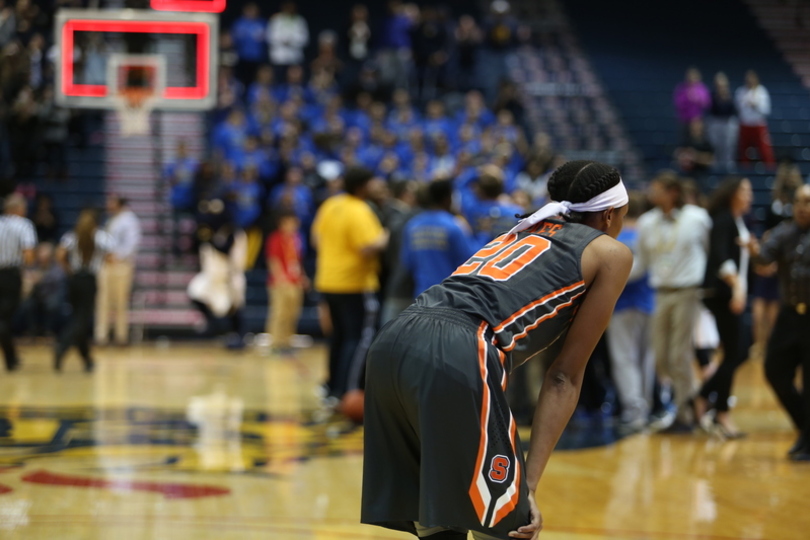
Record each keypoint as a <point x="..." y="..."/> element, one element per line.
<point x="192" y="442"/>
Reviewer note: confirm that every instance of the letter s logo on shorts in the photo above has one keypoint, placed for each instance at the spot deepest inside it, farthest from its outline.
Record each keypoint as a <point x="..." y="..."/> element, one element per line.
<point x="499" y="469"/>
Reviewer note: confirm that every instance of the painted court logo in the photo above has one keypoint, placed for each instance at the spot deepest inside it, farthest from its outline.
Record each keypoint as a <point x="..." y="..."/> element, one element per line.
<point x="499" y="469"/>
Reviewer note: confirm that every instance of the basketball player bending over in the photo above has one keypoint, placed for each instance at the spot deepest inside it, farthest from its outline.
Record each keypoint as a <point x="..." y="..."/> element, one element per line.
<point x="442" y="454"/>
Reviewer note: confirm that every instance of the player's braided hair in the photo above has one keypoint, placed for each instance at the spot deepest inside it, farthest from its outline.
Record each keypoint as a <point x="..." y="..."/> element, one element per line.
<point x="579" y="181"/>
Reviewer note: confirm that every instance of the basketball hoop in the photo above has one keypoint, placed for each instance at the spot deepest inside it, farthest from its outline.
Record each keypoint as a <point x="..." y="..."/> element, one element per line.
<point x="134" y="106"/>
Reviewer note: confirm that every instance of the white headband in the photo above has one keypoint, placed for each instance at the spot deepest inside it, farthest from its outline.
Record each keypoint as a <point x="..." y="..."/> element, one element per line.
<point x="615" y="197"/>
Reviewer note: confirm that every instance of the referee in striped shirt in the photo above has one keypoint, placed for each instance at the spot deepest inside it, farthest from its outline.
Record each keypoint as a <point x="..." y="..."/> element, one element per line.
<point x="18" y="238"/>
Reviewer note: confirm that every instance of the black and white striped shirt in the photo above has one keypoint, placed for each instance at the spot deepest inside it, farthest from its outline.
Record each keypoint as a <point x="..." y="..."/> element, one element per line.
<point x="16" y="235"/>
<point x="104" y="244"/>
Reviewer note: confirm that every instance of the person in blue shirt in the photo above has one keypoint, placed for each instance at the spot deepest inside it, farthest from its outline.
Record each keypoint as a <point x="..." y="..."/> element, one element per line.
<point x="229" y="136"/>
<point x="435" y="243"/>
<point x="250" y="155"/>
<point x="436" y="122"/>
<point x="248" y="34"/>
<point x="488" y="215"/>
<point x="244" y="198"/>
<point x="294" y="196"/>
<point x="629" y="335"/>
<point x="293" y="87"/>
<point x="262" y="88"/>
<point x="475" y="111"/>
<point x="179" y="174"/>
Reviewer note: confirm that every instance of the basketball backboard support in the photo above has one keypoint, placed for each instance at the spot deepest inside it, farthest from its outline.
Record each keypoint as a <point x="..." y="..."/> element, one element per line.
<point x="202" y="6"/>
<point x="100" y="50"/>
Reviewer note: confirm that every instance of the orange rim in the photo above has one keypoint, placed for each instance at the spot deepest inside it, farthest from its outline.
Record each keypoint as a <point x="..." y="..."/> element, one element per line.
<point x="135" y="97"/>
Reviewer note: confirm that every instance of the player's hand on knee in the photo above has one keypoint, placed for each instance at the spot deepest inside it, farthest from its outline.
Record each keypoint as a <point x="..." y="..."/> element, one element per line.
<point x="534" y="527"/>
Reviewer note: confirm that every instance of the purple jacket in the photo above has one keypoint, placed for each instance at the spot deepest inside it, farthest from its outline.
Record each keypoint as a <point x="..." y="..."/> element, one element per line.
<point x="691" y="101"/>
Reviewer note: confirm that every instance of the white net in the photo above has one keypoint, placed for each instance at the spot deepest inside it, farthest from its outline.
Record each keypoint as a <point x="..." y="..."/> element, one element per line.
<point x="133" y="114"/>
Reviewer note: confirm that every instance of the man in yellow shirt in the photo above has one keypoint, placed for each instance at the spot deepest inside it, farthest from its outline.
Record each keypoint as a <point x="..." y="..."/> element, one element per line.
<point x="348" y="238"/>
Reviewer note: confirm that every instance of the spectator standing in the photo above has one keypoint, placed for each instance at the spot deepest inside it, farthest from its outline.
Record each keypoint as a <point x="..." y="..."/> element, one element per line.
<point x="327" y="61"/>
<point x="629" y="335"/>
<point x="44" y="218"/>
<point x="357" y="39"/>
<point x="25" y="127"/>
<point x="692" y="99"/>
<point x="430" y="45"/>
<point x="17" y="242"/>
<point x="287" y="35"/>
<point x="179" y="174"/>
<point x="81" y="253"/>
<point x="754" y="106"/>
<point x="286" y="280"/>
<point x="395" y="57"/>
<point x="435" y="242"/>
<point x="468" y="39"/>
<point x="500" y="38"/>
<point x="248" y="34"/>
<point x="348" y="238"/>
<point x="722" y="124"/>
<point x="116" y="274"/>
<point x="789" y="346"/>
<point x="673" y="240"/>
<point x="54" y="122"/>
<point x="8" y="22"/>
<point x="726" y="293"/>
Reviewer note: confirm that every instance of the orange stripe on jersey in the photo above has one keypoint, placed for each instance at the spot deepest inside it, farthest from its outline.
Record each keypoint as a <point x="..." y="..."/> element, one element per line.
<point x="504" y="378"/>
<point x="525" y="309"/>
<point x="537" y="323"/>
<point x="514" y="488"/>
<point x="481" y="498"/>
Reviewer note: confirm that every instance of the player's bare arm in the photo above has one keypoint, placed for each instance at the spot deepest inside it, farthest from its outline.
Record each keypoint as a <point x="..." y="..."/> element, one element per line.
<point x="606" y="265"/>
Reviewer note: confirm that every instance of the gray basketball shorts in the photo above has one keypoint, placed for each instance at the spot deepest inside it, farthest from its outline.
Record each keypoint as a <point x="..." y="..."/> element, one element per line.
<point x="441" y="445"/>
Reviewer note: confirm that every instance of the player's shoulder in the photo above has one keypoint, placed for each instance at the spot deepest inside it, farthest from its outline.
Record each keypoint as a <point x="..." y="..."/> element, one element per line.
<point x="610" y="253"/>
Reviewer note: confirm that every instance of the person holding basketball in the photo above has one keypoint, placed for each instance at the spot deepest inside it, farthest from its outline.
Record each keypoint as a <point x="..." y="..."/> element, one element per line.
<point x="442" y="453"/>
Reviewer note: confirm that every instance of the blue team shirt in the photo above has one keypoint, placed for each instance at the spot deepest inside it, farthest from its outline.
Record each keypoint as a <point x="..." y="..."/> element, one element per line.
<point x="246" y="206"/>
<point x="489" y="219"/>
<point x="182" y="174"/>
<point x="433" y="246"/>
<point x="249" y="39"/>
<point x="637" y="294"/>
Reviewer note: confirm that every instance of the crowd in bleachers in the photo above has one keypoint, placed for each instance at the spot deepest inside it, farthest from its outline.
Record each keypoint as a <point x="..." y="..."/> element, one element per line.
<point x="28" y="110"/>
<point x="282" y="133"/>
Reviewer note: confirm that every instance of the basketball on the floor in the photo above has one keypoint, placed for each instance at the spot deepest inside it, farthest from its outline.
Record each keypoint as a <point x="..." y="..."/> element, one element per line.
<point x="352" y="405"/>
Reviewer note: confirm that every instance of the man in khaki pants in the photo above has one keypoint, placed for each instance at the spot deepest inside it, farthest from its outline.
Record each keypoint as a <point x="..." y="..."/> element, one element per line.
<point x="115" y="278"/>
<point x="673" y="242"/>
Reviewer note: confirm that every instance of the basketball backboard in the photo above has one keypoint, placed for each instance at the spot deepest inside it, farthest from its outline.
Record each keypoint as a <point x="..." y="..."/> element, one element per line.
<point x="102" y="53"/>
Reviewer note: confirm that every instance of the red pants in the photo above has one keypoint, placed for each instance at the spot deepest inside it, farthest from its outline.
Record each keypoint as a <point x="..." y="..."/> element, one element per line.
<point x="756" y="137"/>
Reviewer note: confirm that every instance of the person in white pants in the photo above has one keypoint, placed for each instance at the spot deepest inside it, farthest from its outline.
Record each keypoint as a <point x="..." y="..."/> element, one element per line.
<point x="115" y="278"/>
<point x="630" y="336"/>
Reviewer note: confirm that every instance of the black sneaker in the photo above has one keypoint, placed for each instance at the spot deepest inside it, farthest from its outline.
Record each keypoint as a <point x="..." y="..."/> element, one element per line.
<point x="801" y="456"/>
<point x="799" y="446"/>
<point x="679" y="428"/>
